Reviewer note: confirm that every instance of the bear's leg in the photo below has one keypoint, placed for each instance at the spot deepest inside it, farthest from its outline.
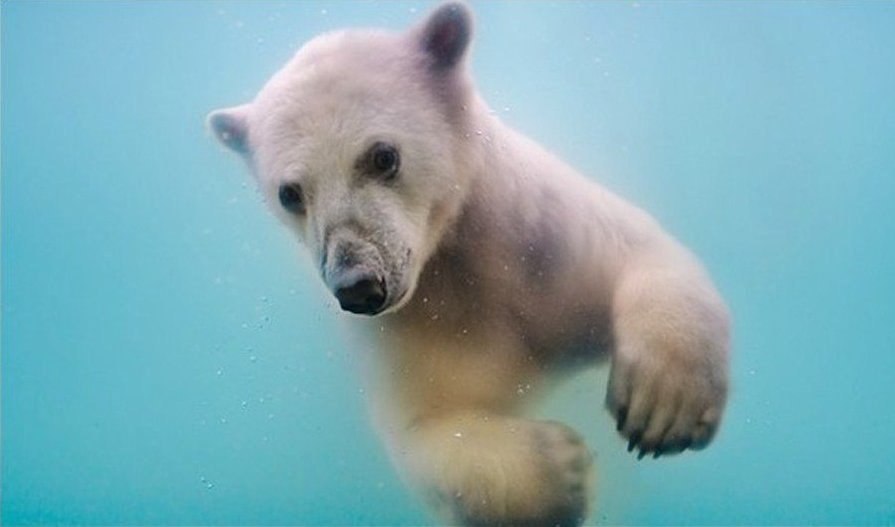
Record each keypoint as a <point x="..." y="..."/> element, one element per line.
<point x="486" y="469"/>
<point x="668" y="383"/>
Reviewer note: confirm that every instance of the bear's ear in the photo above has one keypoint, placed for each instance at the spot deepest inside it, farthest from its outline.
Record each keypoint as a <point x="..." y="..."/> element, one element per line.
<point x="445" y="35"/>
<point x="230" y="126"/>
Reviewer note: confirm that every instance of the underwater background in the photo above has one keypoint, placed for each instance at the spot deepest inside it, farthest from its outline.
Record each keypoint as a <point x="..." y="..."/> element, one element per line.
<point x="170" y="358"/>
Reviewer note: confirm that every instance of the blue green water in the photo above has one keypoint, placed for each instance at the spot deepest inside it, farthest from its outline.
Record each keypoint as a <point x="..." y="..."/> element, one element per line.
<point x="169" y="358"/>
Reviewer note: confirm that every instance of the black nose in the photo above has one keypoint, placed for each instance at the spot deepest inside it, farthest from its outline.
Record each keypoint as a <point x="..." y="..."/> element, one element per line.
<point x="364" y="294"/>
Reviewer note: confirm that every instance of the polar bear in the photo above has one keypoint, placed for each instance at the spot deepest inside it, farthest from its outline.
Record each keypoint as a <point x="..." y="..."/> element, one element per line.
<point x="480" y="264"/>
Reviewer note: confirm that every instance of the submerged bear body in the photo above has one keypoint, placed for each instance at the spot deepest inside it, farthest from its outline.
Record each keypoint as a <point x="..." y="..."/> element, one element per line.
<point x="486" y="264"/>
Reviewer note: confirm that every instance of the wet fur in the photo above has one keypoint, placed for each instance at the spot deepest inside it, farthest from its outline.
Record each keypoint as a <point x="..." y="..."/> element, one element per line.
<point x="516" y="271"/>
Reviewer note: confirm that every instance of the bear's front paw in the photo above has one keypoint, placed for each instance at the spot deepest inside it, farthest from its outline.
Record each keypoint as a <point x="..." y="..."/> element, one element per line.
<point x="666" y="403"/>
<point x="543" y="480"/>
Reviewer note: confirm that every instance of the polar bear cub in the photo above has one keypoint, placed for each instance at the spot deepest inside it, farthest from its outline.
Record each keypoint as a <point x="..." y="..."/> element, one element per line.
<point x="487" y="263"/>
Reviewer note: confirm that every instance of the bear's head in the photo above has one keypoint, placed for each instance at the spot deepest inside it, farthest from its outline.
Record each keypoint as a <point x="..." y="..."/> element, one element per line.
<point x="357" y="145"/>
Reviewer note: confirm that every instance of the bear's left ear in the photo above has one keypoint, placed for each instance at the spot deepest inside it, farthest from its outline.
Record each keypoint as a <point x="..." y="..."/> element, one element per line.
<point x="445" y="35"/>
<point x="230" y="127"/>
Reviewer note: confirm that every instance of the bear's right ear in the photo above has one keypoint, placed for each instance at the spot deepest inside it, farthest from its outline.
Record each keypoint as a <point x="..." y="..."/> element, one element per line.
<point x="445" y="35"/>
<point x="230" y="126"/>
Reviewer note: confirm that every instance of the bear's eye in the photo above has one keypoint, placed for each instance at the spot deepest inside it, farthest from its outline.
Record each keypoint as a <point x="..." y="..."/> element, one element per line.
<point x="384" y="160"/>
<point x="292" y="198"/>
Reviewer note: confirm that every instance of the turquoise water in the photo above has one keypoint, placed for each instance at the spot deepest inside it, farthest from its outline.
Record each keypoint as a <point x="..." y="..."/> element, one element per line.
<point x="169" y="358"/>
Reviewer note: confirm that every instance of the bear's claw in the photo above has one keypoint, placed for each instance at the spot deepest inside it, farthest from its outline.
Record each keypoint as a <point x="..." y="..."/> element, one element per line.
<point x="663" y="408"/>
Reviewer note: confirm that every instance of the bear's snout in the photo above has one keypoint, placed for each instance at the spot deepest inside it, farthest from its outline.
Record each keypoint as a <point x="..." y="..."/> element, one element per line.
<point x="360" y="292"/>
<point x="354" y="271"/>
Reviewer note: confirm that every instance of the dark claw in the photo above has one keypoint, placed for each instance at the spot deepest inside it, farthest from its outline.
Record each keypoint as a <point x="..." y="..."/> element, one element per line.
<point x="622" y="417"/>
<point x="635" y="438"/>
<point x="643" y="452"/>
<point x="657" y="453"/>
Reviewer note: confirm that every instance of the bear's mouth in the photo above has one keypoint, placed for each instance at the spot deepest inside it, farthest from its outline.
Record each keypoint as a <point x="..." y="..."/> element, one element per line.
<point x="396" y="303"/>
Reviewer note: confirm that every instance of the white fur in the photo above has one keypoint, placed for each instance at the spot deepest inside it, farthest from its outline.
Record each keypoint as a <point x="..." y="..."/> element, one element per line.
<point x="520" y="270"/>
